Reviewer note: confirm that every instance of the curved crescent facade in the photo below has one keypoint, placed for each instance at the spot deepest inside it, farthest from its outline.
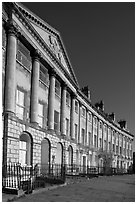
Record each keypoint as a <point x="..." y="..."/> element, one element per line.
<point x="47" y="117"/>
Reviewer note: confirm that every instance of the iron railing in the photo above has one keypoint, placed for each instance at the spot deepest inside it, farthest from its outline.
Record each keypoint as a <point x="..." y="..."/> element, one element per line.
<point x="15" y="176"/>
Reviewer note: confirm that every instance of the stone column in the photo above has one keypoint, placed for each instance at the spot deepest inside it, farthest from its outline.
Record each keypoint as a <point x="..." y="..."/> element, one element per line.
<point x="79" y="132"/>
<point x="118" y="145"/>
<point x="102" y="135"/>
<point x="115" y="141"/>
<point x="92" y="137"/>
<point x="10" y="80"/>
<point x="51" y="100"/>
<point x="72" y="134"/>
<point x="111" y="146"/>
<point x="98" y="131"/>
<point x="35" y="87"/>
<point x="107" y="138"/>
<point x="86" y="135"/>
<point x="122" y="144"/>
<point x="63" y="109"/>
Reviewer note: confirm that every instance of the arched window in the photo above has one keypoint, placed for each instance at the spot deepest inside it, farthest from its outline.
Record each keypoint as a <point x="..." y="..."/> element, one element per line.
<point x="25" y="149"/>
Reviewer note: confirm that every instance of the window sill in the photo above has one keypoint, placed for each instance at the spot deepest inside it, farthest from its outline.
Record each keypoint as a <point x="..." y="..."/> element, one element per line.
<point x="57" y="96"/>
<point x="43" y="83"/>
<point x="28" y="69"/>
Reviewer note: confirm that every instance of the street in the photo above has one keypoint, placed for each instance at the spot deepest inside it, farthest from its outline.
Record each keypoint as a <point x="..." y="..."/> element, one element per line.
<point x="101" y="189"/>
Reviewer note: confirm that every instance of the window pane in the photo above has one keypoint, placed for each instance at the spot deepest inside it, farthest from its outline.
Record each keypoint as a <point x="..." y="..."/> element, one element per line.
<point x="56" y="120"/>
<point x="75" y="130"/>
<point x="23" y="145"/>
<point x="76" y="106"/>
<point x="20" y="98"/>
<point x="43" y="74"/>
<point x="67" y="126"/>
<point x="67" y="99"/>
<point x="19" y="111"/>
<point x="22" y="157"/>
<point x="57" y="88"/>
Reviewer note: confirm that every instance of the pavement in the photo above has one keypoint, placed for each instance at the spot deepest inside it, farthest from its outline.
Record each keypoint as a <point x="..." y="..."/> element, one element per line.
<point x="101" y="189"/>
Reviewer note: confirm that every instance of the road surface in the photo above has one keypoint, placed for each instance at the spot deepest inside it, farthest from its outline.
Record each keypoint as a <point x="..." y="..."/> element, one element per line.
<point x="101" y="189"/>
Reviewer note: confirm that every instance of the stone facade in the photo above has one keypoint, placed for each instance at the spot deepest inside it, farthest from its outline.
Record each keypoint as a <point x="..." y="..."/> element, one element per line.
<point x="42" y="101"/>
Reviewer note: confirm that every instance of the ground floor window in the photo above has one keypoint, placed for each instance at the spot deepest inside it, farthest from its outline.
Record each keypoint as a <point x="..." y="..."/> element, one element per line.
<point x="25" y="147"/>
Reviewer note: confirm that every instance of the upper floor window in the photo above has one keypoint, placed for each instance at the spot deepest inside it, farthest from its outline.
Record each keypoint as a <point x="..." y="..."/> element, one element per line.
<point x="120" y="150"/>
<point x="76" y="131"/>
<point x="89" y="116"/>
<point x="95" y="141"/>
<point x="43" y="74"/>
<point x="23" y="55"/>
<point x="109" y="131"/>
<point x="41" y="114"/>
<point x="100" y="125"/>
<point x="76" y="106"/>
<point x="83" y="136"/>
<point x="67" y="99"/>
<point x="20" y="103"/>
<point x="105" y="128"/>
<point x="89" y="139"/>
<point x="113" y="147"/>
<point x="83" y="112"/>
<point x="56" y="120"/>
<point x="116" y="148"/>
<point x="57" y="88"/>
<point x="100" y="142"/>
<point x="95" y="120"/>
<point x="105" y="145"/>
<point x="109" y="146"/>
<point x="67" y="127"/>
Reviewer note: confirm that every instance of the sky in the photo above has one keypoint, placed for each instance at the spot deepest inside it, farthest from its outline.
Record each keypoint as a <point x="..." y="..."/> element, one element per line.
<point x="100" y="42"/>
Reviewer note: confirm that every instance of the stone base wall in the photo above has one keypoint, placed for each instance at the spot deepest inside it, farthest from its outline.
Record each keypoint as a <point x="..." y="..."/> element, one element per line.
<point x="13" y="128"/>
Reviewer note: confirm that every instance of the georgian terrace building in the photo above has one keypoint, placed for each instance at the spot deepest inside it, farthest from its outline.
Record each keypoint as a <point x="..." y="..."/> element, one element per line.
<point x="46" y="116"/>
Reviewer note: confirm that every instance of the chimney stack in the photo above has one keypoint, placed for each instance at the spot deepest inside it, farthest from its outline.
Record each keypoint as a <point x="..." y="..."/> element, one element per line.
<point x="112" y="116"/>
<point x="86" y="91"/>
<point x="122" y="124"/>
<point x="100" y="105"/>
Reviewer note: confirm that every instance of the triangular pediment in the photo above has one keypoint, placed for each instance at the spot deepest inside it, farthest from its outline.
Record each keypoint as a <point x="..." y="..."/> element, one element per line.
<point x="53" y="44"/>
<point x="52" y="39"/>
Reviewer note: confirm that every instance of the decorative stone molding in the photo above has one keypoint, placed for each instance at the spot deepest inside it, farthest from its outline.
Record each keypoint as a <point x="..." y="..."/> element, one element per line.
<point x="12" y="28"/>
<point x="52" y="72"/>
<point x="36" y="55"/>
<point x="64" y="85"/>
